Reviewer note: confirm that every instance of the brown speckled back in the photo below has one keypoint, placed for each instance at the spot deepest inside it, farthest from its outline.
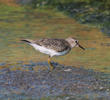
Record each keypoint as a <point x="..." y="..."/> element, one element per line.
<point x="57" y="44"/>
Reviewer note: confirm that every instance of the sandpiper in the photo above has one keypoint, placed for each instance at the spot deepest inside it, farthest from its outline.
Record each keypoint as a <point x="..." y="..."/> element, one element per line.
<point x="54" y="47"/>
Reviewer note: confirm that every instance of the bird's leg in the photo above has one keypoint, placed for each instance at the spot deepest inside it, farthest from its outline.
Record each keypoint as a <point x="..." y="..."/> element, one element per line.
<point x="49" y="62"/>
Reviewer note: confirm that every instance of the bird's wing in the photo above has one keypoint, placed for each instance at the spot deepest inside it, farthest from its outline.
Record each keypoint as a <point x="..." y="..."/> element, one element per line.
<point x="56" y="44"/>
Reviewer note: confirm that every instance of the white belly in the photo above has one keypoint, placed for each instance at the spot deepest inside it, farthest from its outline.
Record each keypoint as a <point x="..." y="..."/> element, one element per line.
<point x="48" y="51"/>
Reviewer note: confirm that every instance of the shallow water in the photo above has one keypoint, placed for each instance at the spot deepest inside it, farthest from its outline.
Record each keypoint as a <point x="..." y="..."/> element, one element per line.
<point x="24" y="71"/>
<point x="20" y="23"/>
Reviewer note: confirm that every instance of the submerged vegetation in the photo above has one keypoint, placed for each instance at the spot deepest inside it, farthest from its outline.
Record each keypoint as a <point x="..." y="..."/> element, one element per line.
<point x="103" y="4"/>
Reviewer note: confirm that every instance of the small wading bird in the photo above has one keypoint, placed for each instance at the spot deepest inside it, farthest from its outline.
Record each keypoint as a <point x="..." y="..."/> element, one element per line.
<point x="53" y="47"/>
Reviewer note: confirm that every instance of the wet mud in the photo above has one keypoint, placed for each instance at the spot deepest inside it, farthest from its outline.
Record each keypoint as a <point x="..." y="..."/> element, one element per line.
<point x="65" y="81"/>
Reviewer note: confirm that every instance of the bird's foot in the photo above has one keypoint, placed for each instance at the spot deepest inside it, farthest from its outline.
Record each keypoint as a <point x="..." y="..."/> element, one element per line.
<point x="51" y="67"/>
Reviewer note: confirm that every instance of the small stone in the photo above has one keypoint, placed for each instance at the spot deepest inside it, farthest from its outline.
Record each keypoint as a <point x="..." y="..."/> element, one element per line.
<point x="67" y="70"/>
<point x="67" y="98"/>
<point x="101" y="88"/>
<point x="108" y="90"/>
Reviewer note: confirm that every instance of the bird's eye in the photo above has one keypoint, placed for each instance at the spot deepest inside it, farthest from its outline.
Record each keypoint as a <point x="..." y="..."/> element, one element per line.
<point x="76" y="41"/>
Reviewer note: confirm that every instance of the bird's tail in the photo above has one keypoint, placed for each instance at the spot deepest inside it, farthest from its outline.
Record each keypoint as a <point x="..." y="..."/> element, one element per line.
<point x="27" y="41"/>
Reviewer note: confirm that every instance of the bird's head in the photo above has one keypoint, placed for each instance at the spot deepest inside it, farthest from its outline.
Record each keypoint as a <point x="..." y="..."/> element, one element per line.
<point x="74" y="43"/>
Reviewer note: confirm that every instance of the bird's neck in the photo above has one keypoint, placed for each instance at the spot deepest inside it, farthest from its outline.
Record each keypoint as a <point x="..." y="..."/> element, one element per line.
<point x="71" y="44"/>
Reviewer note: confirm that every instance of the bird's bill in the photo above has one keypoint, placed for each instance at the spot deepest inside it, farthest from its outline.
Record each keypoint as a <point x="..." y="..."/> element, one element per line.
<point x="80" y="46"/>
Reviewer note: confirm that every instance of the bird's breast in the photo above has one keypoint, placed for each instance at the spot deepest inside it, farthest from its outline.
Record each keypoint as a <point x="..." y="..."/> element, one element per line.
<point x="48" y="51"/>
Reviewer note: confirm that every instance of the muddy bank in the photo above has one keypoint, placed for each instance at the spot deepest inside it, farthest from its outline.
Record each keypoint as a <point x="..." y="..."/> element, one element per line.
<point x="63" y="83"/>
